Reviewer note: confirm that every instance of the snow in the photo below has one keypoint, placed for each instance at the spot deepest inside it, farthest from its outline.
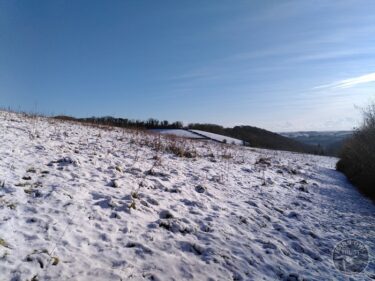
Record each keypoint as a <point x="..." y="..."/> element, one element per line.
<point x="197" y="134"/>
<point x="219" y="138"/>
<point x="178" y="133"/>
<point x="87" y="203"/>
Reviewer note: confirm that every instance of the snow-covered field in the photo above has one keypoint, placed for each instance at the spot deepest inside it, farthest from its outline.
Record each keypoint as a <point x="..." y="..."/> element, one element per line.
<point x="178" y="133"/>
<point x="219" y="138"/>
<point x="198" y="134"/>
<point x="84" y="203"/>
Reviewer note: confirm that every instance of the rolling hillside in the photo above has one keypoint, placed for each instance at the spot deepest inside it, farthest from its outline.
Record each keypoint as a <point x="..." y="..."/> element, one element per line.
<point x="79" y="202"/>
<point x="257" y="137"/>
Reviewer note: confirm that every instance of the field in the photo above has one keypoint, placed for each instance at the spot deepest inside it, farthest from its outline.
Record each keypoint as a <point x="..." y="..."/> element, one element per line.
<point x="80" y="202"/>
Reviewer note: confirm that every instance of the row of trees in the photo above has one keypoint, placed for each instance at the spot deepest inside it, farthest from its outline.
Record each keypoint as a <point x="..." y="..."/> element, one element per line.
<point x="358" y="155"/>
<point x="128" y="123"/>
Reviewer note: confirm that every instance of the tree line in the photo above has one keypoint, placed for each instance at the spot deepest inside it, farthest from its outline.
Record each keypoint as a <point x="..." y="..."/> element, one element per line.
<point x="150" y="123"/>
<point x="358" y="155"/>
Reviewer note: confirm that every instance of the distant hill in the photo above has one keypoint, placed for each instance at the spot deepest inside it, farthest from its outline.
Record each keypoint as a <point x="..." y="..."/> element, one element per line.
<point x="329" y="141"/>
<point x="258" y="137"/>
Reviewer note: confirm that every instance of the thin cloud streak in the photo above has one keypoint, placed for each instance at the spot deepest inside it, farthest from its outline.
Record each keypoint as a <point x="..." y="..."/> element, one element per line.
<point x="349" y="83"/>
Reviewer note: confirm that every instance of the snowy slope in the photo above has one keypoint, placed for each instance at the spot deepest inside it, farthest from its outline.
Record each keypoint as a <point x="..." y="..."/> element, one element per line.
<point x="219" y="138"/>
<point x="84" y="203"/>
<point x="178" y="133"/>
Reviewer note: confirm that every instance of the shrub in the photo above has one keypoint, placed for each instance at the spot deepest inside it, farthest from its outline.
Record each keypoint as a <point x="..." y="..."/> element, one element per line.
<point x="180" y="149"/>
<point x="358" y="155"/>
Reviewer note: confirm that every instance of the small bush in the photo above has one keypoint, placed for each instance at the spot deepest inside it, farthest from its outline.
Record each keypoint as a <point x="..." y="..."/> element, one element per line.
<point x="180" y="149"/>
<point x="358" y="155"/>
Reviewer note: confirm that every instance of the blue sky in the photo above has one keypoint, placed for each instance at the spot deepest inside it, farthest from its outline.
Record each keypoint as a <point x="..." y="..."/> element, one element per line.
<point x="279" y="65"/>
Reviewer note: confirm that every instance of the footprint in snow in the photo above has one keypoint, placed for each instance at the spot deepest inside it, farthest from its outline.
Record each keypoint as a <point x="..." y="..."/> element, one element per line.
<point x="278" y="227"/>
<point x="31" y="170"/>
<point x="152" y="201"/>
<point x="191" y="203"/>
<point x="294" y="215"/>
<point x="140" y="249"/>
<point x="251" y="203"/>
<point x="166" y="214"/>
<point x="194" y="248"/>
<point x="200" y="189"/>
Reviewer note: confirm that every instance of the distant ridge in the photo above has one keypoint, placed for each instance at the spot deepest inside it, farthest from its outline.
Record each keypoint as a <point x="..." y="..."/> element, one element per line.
<point x="258" y="137"/>
<point x="330" y="142"/>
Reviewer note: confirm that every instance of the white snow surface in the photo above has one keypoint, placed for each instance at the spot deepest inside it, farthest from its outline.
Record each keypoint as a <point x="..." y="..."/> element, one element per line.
<point x="178" y="133"/>
<point x="219" y="138"/>
<point x="86" y="203"/>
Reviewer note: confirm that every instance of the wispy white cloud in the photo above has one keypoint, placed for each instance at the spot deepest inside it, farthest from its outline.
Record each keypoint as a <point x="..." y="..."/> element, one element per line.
<point x="349" y="83"/>
<point x="344" y="54"/>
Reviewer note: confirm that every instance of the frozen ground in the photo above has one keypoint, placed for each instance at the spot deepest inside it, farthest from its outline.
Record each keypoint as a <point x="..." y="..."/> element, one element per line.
<point x="83" y="203"/>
